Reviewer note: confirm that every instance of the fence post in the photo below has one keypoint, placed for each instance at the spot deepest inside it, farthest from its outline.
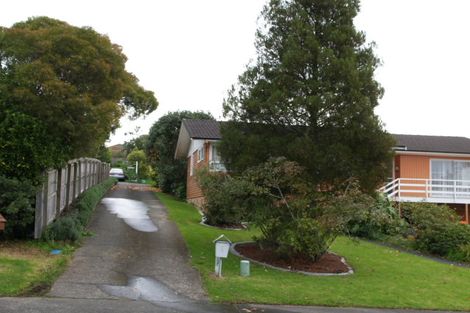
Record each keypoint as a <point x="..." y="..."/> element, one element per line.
<point x="39" y="212"/>
<point x="58" y="192"/>
<point x="79" y="178"/>
<point x="67" y="185"/>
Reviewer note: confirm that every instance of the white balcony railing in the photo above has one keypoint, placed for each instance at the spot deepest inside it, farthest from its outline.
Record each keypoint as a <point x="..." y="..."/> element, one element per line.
<point x="217" y="166"/>
<point x="428" y="190"/>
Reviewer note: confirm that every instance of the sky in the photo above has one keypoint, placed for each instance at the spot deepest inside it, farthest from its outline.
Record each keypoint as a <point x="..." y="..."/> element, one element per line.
<point x="190" y="52"/>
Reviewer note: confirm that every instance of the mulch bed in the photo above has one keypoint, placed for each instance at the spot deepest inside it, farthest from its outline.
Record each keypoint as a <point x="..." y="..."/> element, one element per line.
<point x="329" y="263"/>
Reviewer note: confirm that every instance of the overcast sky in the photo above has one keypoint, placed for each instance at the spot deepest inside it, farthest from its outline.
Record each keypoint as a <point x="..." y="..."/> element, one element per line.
<point x="190" y="52"/>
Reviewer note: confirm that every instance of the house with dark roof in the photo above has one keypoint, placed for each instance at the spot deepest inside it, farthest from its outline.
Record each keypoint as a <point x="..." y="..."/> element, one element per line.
<point x="196" y="143"/>
<point x="425" y="168"/>
<point x="432" y="169"/>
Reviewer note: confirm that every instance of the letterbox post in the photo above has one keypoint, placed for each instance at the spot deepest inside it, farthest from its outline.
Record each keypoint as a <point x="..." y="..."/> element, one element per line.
<point x="222" y="247"/>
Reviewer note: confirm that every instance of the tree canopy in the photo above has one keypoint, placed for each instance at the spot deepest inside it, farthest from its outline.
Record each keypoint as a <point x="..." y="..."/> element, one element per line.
<point x="71" y="81"/>
<point x="163" y="136"/>
<point x="309" y="96"/>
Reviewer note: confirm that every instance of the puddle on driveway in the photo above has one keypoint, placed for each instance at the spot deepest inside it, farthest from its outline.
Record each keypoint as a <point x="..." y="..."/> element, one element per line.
<point x="151" y="290"/>
<point x="142" y="288"/>
<point x="133" y="212"/>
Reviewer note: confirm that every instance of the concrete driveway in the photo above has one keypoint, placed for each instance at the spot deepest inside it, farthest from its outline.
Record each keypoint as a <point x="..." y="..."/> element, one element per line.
<point x="135" y="253"/>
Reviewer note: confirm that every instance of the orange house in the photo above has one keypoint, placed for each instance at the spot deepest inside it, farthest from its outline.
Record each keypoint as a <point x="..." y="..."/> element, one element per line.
<point x="432" y="169"/>
<point x="197" y="143"/>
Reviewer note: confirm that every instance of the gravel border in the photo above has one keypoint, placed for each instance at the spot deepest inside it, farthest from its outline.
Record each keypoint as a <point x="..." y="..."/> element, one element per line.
<point x="235" y="252"/>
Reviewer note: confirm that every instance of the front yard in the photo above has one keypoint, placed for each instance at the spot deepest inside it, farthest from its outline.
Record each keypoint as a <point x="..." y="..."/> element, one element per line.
<point x="28" y="268"/>
<point x="383" y="277"/>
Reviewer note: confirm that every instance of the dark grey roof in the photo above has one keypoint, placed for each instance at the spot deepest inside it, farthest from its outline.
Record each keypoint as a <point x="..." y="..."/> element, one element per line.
<point x="432" y="143"/>
<point x="203" y="129"/>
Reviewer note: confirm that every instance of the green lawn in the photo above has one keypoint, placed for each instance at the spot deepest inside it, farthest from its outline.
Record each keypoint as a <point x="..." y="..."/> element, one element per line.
<point x="27" y="268"/>
<point x="383" y="277"/>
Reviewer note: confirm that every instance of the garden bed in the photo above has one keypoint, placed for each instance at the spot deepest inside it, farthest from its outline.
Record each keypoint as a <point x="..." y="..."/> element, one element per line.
<point x="328" y="264"/>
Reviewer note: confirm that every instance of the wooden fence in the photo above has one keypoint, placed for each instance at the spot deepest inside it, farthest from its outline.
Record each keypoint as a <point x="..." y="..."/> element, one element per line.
<point x="64" y="185"/>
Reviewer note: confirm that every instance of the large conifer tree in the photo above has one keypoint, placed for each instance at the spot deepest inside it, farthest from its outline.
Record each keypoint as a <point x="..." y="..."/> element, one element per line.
<point x="310" y="96"/>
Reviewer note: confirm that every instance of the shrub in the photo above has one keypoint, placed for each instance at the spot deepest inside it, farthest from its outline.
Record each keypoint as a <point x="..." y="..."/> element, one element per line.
<point x="294" y="218"/>
<point x="436" y="227"/>
<point x="69" y="226"/>
<point x="16" y="205"/>
<point x="443" y="239"/>
<point x="66" y="228"/>
<point x="380" y="219"/>
<point x="461" y="254"/>
<point x="223" y="196"/>
<point x="427" y="215"/>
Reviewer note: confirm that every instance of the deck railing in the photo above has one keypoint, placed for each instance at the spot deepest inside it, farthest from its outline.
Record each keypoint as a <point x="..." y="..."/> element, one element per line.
<point x="217" y="166"/>
<point x="428" y="190"/>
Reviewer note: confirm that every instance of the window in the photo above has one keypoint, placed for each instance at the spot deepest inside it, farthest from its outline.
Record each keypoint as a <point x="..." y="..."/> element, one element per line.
<point x="201" y="154"/>
<point x="215" y="154"/>
<point x="452" y="175"/>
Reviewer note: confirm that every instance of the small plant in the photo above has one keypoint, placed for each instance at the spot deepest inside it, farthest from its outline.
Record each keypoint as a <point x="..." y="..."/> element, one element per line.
<point x="224" y="198"/>
<point x="63" y="229"/>
<point x="381" y="219"/>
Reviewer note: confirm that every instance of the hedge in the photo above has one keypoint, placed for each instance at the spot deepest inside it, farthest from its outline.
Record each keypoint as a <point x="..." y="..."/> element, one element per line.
<point x="70" y="225"/>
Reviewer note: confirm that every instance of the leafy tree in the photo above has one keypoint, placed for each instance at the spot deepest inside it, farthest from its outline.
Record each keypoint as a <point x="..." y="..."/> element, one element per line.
<point x="25" y="146"/>
<point x="71" y="82"/>
<point x="104" y="154"/>
<point x="139" y="156"/>
<point x="139" y="143"/>
<point x="163" y="136"/>
<point x="313" y="88"/>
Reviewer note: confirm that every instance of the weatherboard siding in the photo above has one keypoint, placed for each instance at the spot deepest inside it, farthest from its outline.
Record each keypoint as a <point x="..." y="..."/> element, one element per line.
<point x="418" y="166"/>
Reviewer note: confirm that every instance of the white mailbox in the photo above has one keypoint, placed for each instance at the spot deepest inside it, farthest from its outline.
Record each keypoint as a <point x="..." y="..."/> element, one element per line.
<point x="221" y="248"/>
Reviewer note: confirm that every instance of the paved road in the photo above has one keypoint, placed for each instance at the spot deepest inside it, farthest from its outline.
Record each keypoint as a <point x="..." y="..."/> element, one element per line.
<point x="136" y="261"/>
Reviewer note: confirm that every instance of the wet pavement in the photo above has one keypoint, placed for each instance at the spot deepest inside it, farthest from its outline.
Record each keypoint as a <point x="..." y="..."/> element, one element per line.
<point x="135" y="253"/>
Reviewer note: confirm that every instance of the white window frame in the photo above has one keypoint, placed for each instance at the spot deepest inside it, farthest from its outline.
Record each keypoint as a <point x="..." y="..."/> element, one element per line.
<point x="201" y="155"/>
<point x="450" y="160"/>
<point x="191" y="165"/>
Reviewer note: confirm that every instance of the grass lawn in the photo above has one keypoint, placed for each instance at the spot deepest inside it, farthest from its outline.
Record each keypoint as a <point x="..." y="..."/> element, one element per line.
<point x="383" y="277"/>
<point x="28" y="268"/>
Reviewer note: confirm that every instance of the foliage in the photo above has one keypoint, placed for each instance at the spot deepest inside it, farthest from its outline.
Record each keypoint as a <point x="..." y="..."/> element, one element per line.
<point x="383" y="277"/>
<point x="16" y="206"/>
<point x="460" y="254"/>
<point x="443" y="239"/>
<point x="70" y="225"/>
<point x="71" y="83"/>
<point x="380" y="219"/>
<point x="293" y="218"/>
<point x="225" y="198"/>
<point x="437" y="228"/>
<point x="160" y="151"/>
<point x="313" y="81"/>
<point x="25" y="146"/>
<point x="63" y="229"/>
<point x="144" y="169"/>
<point x="104" y="154"/>
<point x="139" y="143"/>
<point x="424" y="216"/>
